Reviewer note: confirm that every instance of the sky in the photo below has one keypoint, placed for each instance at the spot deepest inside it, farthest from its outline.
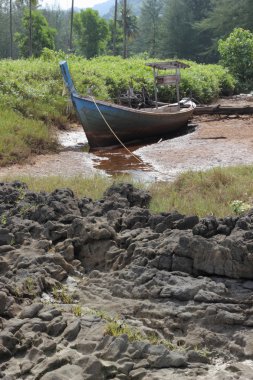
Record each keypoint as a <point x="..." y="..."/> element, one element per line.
<point x="66" y="4"/>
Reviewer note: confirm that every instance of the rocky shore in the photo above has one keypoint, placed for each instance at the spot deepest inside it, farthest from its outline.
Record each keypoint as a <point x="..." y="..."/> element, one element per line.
<point x="106" y="290"/>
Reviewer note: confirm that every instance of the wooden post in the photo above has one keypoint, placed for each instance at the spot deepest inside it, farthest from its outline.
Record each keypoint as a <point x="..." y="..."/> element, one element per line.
<point x="154" y="71"/>
<point x="177" y="86"/>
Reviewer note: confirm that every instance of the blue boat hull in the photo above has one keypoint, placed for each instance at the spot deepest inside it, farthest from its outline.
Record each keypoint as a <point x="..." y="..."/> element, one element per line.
<point x="101" y="120"/>
<point x="128" y="124"/>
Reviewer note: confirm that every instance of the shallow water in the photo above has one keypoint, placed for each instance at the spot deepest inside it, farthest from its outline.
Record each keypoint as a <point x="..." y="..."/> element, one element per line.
<point x="117" y="161"/>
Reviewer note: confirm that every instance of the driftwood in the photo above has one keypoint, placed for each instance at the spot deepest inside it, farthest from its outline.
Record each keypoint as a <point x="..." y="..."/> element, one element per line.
<point x="223" y="110"/>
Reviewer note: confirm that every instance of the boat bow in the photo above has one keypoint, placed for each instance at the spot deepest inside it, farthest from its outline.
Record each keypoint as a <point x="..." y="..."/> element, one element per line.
<point x="67" y="78"/>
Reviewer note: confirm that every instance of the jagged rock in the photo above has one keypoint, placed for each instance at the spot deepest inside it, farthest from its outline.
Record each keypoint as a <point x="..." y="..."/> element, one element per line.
<point x="3" y="302"/>
<point x="172" y="282"/>
<point x="167" y="360"/>
<point x="56" y="327"/>
<point x="8" y="340"/>
<point x="116" y="348"/>
<point x="135" y="197"/>
<point x="72" y="330"/>
<point x="66" y="372"/>
<point x="31" y="311"/>
<point x="66" y="249"/>
<point x="6" y="237"/>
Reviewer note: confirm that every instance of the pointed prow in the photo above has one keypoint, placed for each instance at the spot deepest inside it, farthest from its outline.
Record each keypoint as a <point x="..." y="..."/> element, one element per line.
<point x="67" y="78"/>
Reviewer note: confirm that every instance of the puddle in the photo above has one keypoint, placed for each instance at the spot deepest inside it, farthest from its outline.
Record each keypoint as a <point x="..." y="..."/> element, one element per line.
<point x="118" y="161"/>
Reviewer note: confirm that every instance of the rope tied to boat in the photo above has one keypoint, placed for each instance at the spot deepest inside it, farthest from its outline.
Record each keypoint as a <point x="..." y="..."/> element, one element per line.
<point x="112" y="131"/>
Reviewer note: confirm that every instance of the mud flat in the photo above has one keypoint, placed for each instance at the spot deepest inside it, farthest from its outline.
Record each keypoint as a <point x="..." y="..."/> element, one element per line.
<point x="217" y="141"/>
<point x="106" y="290"/>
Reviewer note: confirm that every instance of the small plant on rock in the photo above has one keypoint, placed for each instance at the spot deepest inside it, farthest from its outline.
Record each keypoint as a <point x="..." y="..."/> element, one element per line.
<point x="21" y="194"/>
<point x="101" y="314"/>
<point x="3" y="219"/>
<point x="240" y="207"/>
<point x="156" y="340"/>
<point x="203" y="351"/>
<point x="77" y="310"/>
<point x="61" y="294"/>
<point x="118" y="327"/>
<point x="30" y="286"/>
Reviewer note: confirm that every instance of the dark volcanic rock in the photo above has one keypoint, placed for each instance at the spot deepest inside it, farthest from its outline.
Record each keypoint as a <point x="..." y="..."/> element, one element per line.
<point x="104" y="289"/>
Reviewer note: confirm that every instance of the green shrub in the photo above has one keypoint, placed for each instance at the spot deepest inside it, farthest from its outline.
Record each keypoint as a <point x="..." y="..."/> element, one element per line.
<point x="237" y="55"/>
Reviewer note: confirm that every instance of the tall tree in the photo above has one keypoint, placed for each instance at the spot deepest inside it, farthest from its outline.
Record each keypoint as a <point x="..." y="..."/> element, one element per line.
<point x="222" y="18"/>
<point x="4" y="29"/>
<point x="124" y="18"/>
<point x="71" y="26"/>
<point x="115" y="26"/>
<point x="42" y="36"/>
<point x="150" y="27"/>
<point x="30" y="28"/>
<point x="92" y="33"/>
<point x="179" y="37"/>
<point x="11" y="31"/>
<point x="58" y="19"/>
<point x="128" y="23"/>
<point x="115" y="42"/>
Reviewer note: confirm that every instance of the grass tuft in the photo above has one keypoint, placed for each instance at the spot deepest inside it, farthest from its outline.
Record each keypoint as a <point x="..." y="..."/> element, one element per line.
<point x="21" y="137"/>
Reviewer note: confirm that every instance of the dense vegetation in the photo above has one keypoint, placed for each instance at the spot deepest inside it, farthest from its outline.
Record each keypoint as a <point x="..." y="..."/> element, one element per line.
<point x="34" y="86"/>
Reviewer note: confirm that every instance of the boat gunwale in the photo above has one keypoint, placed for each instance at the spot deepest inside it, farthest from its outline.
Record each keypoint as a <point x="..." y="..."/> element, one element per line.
<point x="132" y="110"/>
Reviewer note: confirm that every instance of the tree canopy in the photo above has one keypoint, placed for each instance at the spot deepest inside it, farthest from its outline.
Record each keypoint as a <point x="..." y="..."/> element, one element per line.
<point x="91" y="33"/>
<point x="187" y="29"/>
<point x="42" y="34"/>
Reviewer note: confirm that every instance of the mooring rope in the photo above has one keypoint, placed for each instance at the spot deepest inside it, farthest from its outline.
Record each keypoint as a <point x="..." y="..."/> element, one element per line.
<point x="112" y="131"/>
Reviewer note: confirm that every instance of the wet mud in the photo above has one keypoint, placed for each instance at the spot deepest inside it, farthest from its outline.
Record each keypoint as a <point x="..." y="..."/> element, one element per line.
<point x="209" y="141"/>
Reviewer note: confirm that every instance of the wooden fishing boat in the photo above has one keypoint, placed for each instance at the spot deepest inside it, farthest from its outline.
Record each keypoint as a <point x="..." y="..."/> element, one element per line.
<point x="106" y="124"/>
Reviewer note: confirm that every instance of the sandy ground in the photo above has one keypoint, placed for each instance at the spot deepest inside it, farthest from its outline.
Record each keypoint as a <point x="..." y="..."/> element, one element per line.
<point x="216" y="141"/>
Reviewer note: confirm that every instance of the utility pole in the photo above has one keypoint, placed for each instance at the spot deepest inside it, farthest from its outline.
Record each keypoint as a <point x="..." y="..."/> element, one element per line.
<point x="71" y="27"/>
<point x="115" y="26"/>
<point x="125" y="29"/>
<point x="30" y="28"/>
<point x="11" y="31"/>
